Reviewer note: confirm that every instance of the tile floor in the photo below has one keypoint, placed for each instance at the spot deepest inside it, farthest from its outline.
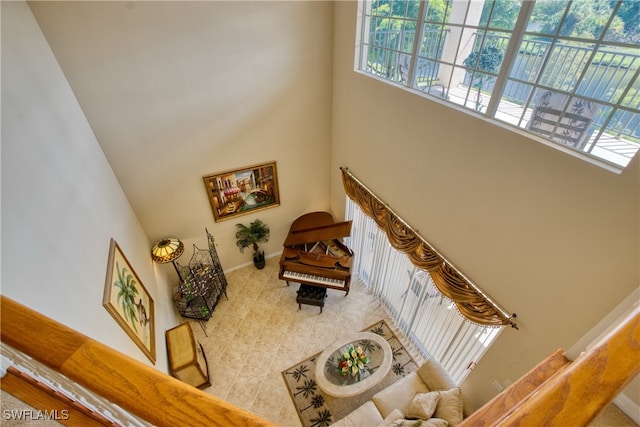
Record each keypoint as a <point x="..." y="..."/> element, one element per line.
<point x="259" y="332"/>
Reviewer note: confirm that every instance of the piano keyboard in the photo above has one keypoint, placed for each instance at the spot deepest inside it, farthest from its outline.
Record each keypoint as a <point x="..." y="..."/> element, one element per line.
<point x="310" y="278"/>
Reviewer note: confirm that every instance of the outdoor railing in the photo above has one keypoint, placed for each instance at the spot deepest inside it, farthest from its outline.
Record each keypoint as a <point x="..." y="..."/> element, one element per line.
<point x="389" y="56"/>
<point x="606" y="78"/>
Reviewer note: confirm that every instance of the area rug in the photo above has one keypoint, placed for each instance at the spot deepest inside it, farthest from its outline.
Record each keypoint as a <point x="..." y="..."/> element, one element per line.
<point x="318" y="409"/>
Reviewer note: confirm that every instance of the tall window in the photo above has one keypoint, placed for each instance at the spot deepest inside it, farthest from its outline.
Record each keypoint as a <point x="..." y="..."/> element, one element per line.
<point x="430" y="320"/>
<point x="566" y="72"/>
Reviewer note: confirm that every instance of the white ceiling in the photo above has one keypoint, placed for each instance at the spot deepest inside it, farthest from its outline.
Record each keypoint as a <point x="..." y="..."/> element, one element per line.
<point x="172" y="89"/>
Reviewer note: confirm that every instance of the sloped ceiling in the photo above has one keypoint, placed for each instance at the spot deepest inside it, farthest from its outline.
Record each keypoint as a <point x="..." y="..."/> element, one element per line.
<point x="178" y="90"/>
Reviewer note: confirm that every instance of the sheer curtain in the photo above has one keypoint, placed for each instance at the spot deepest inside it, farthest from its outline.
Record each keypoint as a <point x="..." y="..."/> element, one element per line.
<point x="409" y="293"/>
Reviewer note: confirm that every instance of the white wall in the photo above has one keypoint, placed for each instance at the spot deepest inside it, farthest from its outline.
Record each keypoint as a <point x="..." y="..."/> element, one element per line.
<point x="61" y="202"/>
<point x="175" y="91"/>
<point x="547" y="235"/>
<point x="227" y="98"/>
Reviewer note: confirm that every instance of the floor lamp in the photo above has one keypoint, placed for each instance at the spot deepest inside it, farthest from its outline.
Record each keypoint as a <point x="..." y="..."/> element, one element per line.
<point x="168" y="250"/>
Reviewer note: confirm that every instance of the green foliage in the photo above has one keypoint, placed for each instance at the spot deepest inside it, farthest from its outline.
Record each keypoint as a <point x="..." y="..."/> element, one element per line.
<point x="585" y="18"/>
<point x="256" y="232"/>
<point x="504" y="13"/>
<point x="629" y="12"/>
<point x="127" y="294"/>
<point x="397" y="9"/>
<point x="487" y="60"/>
<point x="437" y="11"/>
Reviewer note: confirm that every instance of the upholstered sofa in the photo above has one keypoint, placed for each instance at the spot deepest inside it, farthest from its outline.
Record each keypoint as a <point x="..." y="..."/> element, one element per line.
<point x="428" y="394"/>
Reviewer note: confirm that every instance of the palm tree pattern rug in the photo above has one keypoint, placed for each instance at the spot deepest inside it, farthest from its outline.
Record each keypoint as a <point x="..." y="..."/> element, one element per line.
<point x="317" y="409"/>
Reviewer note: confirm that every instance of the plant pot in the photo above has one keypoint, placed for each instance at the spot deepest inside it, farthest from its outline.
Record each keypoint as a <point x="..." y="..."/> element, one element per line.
<point x="259" y="260"/>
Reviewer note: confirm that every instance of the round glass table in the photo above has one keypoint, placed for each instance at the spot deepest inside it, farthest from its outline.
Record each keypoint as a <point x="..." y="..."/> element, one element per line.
<point x="333" y="383"/>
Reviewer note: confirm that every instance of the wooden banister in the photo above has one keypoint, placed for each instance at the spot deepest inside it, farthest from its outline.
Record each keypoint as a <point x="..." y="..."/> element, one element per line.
<point x="576" y="395"/>
<point x="556" y="394"/>
<point x="140" y="389"/>
<point x="42" y="397"/>
<point x="508" y="400"/>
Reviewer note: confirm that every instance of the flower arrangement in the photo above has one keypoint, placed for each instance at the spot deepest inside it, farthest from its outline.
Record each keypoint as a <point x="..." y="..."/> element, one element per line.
<point x="353" y="361"/>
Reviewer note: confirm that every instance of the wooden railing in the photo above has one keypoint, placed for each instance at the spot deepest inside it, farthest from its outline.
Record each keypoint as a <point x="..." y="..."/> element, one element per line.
<point x="140" y="389"/>
<point x="506" y="402"/>
<point x="558" y="392"/>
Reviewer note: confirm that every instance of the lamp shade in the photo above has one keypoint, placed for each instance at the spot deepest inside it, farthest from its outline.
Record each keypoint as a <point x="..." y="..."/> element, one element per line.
<point x="167" y="250"/>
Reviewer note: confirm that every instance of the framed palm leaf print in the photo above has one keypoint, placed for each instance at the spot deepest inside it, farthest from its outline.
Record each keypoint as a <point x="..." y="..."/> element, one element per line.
<point x="129" y="302"/>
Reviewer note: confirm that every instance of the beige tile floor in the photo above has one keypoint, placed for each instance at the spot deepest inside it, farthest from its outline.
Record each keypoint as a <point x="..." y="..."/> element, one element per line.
<point x="259" y="332"/>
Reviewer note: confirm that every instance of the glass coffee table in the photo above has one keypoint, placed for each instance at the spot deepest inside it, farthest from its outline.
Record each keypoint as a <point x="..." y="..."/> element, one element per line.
<point x="333" y="383"/>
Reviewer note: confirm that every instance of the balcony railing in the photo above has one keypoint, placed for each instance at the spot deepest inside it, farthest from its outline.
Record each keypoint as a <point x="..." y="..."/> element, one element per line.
<point x="606" y="78"/>
<point x="597" y="376"/>
<point x="612" y="137"/>
<point x="148" y="394"/>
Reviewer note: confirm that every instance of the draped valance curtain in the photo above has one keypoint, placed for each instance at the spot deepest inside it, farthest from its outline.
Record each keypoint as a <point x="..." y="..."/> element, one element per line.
<point x="469" y="299"/>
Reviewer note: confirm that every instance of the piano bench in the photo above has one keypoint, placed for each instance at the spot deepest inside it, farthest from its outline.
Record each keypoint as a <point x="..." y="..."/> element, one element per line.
<point x="311" y="295"/>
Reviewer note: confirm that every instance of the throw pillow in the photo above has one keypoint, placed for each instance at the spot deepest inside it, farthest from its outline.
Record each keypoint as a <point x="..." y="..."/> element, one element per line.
<point x="432" y="422"/>
<point x="450" y="406"/>
<point x="423" y="405"/>
<point x="406" y="423"/>
<point x="434" y="376"/>
<point x="394" y="415"/>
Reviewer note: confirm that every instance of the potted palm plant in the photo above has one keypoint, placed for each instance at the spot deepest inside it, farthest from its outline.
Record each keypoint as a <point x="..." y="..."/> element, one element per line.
<point x="484" y="61"/>
<point x="256" y="232"/>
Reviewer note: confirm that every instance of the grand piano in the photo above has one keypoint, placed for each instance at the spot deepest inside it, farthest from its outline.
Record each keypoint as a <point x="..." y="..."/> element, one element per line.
<point x="314" y="254"/>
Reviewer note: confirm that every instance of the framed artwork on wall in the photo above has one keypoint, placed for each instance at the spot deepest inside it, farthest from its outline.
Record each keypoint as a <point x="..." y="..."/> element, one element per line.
<point x="241" y="191"/>
<point x="129" y="302"/>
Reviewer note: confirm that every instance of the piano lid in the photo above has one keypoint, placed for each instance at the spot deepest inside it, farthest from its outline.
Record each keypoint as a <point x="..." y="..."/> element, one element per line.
<point x="316" y="227"/>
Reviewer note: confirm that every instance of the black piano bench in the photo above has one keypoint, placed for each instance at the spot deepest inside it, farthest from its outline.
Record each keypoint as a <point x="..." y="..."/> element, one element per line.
<point x="311" y="295"/>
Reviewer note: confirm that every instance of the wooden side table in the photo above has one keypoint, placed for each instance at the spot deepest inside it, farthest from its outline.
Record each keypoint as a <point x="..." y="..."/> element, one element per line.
<point x="187" y="361"/>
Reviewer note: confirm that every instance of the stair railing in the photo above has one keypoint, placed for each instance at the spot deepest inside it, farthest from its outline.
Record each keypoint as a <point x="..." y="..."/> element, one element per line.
<point x="138" y="388"/>
<point x="560" y="393"/>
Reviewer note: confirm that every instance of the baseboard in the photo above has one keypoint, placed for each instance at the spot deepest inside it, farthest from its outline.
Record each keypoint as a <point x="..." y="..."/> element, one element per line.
<point x="628" y="406"/>
<point x="238" y="267"/>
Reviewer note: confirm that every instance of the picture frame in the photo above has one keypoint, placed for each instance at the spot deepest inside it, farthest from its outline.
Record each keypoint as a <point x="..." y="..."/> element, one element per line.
<point x="242" y="191"/>
<point x="128" y="302"/>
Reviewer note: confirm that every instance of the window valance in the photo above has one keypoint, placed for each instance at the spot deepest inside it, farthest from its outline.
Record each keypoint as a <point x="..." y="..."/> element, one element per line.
<point x="469" y="299"/>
